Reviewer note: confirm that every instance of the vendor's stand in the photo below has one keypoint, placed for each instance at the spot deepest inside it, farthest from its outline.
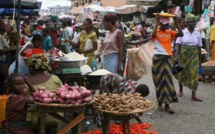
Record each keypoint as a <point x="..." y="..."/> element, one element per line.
<point x="53" y="109"/>
<point x="120" y="107"/>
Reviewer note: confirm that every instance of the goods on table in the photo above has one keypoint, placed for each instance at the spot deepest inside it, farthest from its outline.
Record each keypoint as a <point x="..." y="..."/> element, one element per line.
<point x="64" y="95"/>
<point x="136" y="128"/>
<point x="121" y="102"/>
<point x="74" y="56"/>
<point x="209" y="63"/>
<point x="100" y="72"/>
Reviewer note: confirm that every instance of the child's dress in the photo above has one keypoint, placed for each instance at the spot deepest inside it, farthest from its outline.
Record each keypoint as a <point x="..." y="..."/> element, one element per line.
<point x="16" y="111"/>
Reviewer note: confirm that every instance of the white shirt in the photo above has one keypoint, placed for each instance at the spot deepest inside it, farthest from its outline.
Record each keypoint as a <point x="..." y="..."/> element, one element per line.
<point x="70" y="30"/>
<point x="76" y="37"/>
<point x="3" y="46"/>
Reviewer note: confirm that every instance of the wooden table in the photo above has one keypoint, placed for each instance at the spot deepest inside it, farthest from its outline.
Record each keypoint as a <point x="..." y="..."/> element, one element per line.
<point x="125" y="119"/>
<point x="53" y="110"/>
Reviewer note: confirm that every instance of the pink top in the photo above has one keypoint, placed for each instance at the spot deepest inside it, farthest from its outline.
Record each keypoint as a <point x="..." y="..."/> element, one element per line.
<point x="110" y="44"/>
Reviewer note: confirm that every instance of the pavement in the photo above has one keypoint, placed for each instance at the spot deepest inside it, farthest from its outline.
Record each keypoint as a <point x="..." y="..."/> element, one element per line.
<point x="190" y="117"/>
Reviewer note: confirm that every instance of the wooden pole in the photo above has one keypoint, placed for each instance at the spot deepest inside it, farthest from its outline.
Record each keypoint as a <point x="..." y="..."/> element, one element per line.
<point x="17" y="38"/>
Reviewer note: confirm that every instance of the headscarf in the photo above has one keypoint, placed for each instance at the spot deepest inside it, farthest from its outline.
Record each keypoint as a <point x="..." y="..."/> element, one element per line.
<point x="164" y="20"/>
<point x="191" y="17"/>
<point x="39" y="62"/>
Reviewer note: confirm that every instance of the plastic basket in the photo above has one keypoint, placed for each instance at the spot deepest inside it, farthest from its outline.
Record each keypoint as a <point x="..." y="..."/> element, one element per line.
<point x="3" y="101"/>
<point x="30" y="52"/>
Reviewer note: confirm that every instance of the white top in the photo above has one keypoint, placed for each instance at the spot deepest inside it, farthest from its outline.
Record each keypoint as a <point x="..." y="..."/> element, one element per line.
<point x="21" y="58"/>
<point x="3" y="46"/>
<point x="70" y="30"/>
<point x="76" y="37"/>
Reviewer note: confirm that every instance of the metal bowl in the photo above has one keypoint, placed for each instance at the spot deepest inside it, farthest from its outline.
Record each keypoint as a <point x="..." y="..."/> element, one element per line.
<point x="70" y="64"/>
<point x="208" y="68"/>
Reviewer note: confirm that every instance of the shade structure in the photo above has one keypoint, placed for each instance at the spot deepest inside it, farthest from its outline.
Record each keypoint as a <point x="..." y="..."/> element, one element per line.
<point x="96" y="8"/>
<point x="25" y="4"/>
<point x="10" y="11"/>
<point x="110" y="9"/>
<point x="127" y="9"/>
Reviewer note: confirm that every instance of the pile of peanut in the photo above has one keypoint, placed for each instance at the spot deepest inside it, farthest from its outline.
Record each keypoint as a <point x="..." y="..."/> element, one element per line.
<point x="121" y="102"/>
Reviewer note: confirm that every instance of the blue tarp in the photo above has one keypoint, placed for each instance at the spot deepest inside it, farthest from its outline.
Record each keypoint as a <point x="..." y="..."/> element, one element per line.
<point x="24" y="4"/>
<point x="9" y="11"/>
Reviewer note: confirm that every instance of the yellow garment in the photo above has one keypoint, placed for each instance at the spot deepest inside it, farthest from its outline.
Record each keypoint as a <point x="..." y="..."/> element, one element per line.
<point x="53" y="84"/>
<point x="83" y="40"/>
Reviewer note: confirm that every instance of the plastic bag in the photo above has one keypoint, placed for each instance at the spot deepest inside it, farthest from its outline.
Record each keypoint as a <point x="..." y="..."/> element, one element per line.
<point x="136" y="65"/>
<point x="148" y="50"/>
<point x="88" y="44"/>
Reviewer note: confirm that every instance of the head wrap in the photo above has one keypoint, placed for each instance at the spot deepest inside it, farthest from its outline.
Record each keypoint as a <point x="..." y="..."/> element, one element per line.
<point x="39" y="62"/>
<point x="164" y="20"/>
<point x="191" y="17"/>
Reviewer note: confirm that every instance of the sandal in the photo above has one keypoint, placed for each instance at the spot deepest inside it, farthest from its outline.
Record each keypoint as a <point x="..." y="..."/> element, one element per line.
<point x="180" y="94"/>
<point x="160" y="108"/>
<point x="196" y="99"/>
<point x="168" y="110"/>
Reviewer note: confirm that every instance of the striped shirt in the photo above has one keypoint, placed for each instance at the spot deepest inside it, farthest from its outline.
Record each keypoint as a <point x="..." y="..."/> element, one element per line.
<point x="114" y="83"/>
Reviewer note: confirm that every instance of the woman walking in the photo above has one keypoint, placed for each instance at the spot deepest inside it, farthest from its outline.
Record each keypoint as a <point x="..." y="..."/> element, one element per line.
<point x="162" y="65"/>
<point x="113" y="46"/>
<point x="188" y="53"/>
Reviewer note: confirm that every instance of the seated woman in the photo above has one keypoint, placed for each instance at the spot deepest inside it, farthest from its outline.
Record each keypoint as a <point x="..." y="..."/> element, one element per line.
<point x="38" y="65"/>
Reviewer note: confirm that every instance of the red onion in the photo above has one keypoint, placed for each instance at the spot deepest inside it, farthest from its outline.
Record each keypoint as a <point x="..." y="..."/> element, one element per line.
<point x="51" y="95"/>
<point x="47" y="100"/>
<point x="66" y="86"/>
<point x="44" y="95"/>
<point x="67" y="96"/>
<point x="54" y="99"/>
<point x="88" y="99"/>
<point x="78" y="102"/>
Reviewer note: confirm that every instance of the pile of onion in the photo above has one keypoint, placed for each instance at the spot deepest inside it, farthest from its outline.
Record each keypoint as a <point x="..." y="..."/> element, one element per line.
<point x="64" y="95"/>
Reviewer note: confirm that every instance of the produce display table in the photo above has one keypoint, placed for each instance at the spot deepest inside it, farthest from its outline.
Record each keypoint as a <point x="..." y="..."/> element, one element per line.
<point x="53" y="110"/>
<point x="125" y="119"/>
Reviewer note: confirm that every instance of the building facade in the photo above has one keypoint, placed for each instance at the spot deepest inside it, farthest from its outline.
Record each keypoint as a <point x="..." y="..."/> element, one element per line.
<point x="78" y="5"/>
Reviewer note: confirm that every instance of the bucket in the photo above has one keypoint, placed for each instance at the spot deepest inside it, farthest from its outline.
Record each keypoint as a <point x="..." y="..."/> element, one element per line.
<point x="30" y="52"/>
<point x="3" y="101"/>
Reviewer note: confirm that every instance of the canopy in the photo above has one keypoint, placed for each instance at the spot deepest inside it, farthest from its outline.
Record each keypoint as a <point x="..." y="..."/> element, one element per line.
<point x="127" y="9"/>
<point x="95" y="8"/>
<point x="25" y="4"/>
<point x="110" y="9"/>
<point x="9" y="11"/>
<point x="144" y="9"/>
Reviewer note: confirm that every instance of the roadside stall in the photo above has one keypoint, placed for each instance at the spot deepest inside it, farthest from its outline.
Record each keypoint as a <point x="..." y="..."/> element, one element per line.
<point x="94" y="12"/>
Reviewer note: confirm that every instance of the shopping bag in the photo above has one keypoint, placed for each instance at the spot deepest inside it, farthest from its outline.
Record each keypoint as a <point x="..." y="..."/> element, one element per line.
<point x="148" y="50"/>
<point x="137" y="66"/>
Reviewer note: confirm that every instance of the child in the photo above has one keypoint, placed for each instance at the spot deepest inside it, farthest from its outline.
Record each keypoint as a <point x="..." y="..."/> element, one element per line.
<point x="114" y="83"/>
<point x="16" y="107"/>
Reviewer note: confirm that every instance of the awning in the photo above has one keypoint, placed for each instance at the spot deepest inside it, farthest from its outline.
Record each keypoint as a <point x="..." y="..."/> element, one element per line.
<point x="144" y="9"/>
<point x="95" y="8"/>
<point x="127" y="9"/>
<point x="9" y="11"/>
<point x="25" y="4"/>
<point x="110" y="9"/>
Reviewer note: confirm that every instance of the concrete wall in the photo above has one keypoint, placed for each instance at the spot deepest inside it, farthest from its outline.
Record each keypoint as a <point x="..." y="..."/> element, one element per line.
<point x="113" y="3"/>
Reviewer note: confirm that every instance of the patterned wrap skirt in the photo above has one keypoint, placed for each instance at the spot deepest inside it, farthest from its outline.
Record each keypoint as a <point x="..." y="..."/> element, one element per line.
<point x="163" y="79"/>
<point x="189" y="59"/>
<point x="110" y="62"/>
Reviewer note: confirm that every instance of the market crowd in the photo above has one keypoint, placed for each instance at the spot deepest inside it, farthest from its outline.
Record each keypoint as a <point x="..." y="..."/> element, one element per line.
<point x="82" y="37"/>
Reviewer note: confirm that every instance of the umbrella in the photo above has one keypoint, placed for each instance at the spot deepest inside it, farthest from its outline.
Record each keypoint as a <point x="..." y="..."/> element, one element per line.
<point x="10" y="11"/>
<point x="95" y="8"/>
<point x="26" y="4"/>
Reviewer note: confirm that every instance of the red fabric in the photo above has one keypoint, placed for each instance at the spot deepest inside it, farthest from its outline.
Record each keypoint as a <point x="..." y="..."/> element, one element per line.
<point x="40" y="27"/>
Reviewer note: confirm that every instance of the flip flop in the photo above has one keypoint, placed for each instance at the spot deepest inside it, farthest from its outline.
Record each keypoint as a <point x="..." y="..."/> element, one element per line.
<point x="180" y="94"/>
<point x="169" y="110"/>
<point x="196" y="99"/>
<point x="160" y="108"/>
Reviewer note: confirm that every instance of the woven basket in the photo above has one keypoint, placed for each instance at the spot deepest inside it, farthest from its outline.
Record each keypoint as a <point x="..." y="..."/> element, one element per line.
<point x="125" y="113"/>
<point x="63" y="105"/>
